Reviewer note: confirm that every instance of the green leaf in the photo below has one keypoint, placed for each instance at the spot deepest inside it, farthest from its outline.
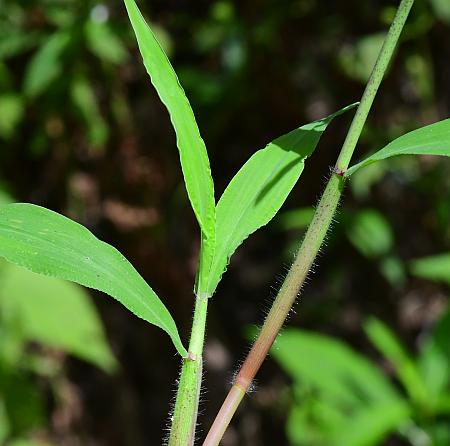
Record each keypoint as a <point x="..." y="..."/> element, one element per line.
<point x="45" y="65"/>
<point x="4" y="423"/>
<point x="435" y="268"/>
<point x="434" y="360"/>
<point x="193" y="155"/>
<point x="259" y="189"/>
<point x="387" y="343"/>
<point x="441" y="9"/>
<point x="433" y="139"/>
<point x="331" y="366"/>
<point x="48" y="243"/>
<point x="372" y="425"/>
<point x="299" y="218"/>
<point x="342" y="385"/>
<point x="42" y="309"/>
<point x="14" y="41"/>
<point x="84" y="98"/>
<point x="11" y="113"/>
<point x="104" y="43"/>
<point x="357" y="60"/>
<point x="23" y="401"/>
<point x="370" y="233"/>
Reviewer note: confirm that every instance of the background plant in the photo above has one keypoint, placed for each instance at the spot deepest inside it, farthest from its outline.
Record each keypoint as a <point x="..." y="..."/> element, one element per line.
<point x="337" y="384"/>
<point x="102" y="217"/>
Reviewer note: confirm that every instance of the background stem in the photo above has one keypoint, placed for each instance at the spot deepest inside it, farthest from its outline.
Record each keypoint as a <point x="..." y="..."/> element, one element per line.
<point x="313" y="240"/>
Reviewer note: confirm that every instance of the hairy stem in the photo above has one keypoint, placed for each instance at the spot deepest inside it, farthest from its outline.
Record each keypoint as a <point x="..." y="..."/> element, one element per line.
<point x="182" y="432"/>
<point x="313" y="240"/>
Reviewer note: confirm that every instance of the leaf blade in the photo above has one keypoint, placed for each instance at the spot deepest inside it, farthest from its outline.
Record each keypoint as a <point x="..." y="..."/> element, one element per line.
<point x="435" y="267"/>
<point x="259" y="189"/>
<point x="193" y="155"/>
<point x="48" y="243"/>
<point x="433" y="139"/>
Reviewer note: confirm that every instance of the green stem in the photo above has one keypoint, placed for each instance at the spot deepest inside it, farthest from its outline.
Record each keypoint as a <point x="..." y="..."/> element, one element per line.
<point x="374" y="82"/>
<point x="182" y="432"/>
<point x="313" y="240"/>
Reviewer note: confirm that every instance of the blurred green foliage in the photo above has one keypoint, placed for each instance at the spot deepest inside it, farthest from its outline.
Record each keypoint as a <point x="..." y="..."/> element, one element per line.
<point x="71" y="101"/>
<point x="340" y="397"/>
<point x="40" y="315"/>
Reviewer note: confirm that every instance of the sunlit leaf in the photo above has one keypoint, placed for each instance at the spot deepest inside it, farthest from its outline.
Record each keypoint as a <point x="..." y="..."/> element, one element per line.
<point x="259" y="189"/>
<point x="48" y="243"/>
<point x="433" y="139"/>
<point x="193" y="155"/>
<point x="42" y="309"/>
<point x="45" y="65"/>
<point x="435" y="268"/>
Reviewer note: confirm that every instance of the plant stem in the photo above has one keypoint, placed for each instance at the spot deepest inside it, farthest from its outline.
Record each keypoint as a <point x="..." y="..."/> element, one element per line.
<point x="313" y="240"/>
<point x="182" y="432"/>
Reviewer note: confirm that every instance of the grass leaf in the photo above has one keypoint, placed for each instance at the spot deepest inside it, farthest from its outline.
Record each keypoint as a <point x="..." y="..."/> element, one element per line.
<point x="259" y="189"/>
<point x="48" y="243"/>
<point x="433" y="139"/>
<point x="193" y="155"/>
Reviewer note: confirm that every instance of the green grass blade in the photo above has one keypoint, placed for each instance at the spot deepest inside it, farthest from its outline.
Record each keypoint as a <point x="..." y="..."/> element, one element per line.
<point x="259" y="189"/>
<point x="193" y="155"/>
<point x="48" y="243"/>
<point x="388" y="344"/>
<point x="433" y="139"/>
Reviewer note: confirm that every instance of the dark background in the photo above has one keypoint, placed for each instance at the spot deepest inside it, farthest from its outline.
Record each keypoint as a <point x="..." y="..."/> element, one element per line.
<point x="252" y="70"/>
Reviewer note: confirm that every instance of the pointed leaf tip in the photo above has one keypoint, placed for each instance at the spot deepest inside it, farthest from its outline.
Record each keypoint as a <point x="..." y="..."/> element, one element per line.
<point x="48" y="243"/>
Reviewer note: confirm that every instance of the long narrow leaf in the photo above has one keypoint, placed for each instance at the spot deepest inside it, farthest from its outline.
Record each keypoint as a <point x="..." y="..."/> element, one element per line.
<point x="387" y="343"/>
<point x="48" y="243"/>
<point x="433" y="139"/>
<point x="259" y="189"/>
<point x="193" y="155"/>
